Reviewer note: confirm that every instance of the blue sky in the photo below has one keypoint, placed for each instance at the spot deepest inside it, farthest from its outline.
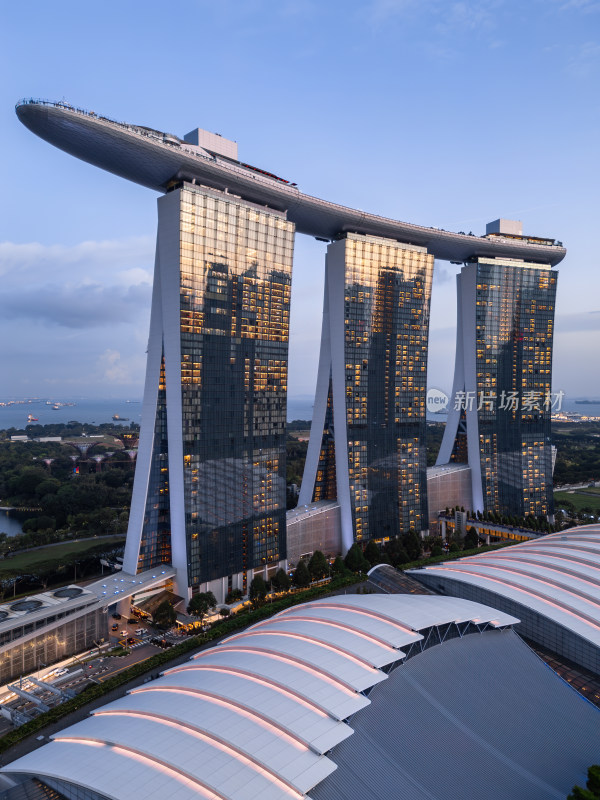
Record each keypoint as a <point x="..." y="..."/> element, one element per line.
<point x="441" y="113"/>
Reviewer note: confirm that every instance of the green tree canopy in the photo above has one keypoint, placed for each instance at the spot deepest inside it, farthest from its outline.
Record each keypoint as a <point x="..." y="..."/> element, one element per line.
<point x="396" y="552"/>
<point x="338" y="567"/>
<point x="412" y="544"/>
<point x="201" y="604"/>
<point x="355" y="560"/>
<point x="372" y="553"/>
<point x="281" y="581"/>
<point x="258" y="590"/>
<point x="471" y="539"/>
<point x="164" y="616"/>
<point x="318" y="566"/>
<point x="592" y="790"/>
<point x="301" y="575"/>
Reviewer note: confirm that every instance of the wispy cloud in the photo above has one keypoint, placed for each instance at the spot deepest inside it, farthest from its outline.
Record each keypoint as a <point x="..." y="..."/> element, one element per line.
<point x="463" y="15"/>
<point x="42" y="260"/>
<point x="116" y="369"/>
<point x="571" y="323"/>
<point x="86" y="285"/>
<point x="76" y="315"/>
<point x="585" y="60"/>
<point x="87" y="305"/>
<point x="586" y="6"/>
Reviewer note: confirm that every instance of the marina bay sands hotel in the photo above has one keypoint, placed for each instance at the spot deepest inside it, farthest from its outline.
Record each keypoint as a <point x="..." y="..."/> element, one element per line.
<point x="209" y="494"/>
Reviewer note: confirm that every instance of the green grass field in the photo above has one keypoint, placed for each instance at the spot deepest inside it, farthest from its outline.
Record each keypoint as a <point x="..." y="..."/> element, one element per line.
<point x="58" y="554"/>
<point x="579" y="499"/>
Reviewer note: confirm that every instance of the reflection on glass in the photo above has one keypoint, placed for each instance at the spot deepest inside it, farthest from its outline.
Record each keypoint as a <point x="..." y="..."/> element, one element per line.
<point x="514" y="324"/>
<point x="235" y="267"/>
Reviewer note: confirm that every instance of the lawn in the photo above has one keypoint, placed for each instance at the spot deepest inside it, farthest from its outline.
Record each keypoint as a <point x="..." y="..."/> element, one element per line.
<point x="579" y="499"/>
<point x="57" y="554"/>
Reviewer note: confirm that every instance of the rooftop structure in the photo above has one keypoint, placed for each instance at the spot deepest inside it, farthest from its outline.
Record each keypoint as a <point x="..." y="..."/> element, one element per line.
<point x="339" y="699"/>
<point x="551" y="583"/>
<point x="155" y="159"/>
<point x="512" y="227"/>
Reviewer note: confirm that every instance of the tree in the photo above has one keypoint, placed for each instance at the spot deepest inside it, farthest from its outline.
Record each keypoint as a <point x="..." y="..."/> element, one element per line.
<point x="338" y="567"/>
<point x="164" y="616"/>
<point x="233" y="595"/>
<point x="302" y="575"/>
<point x="396" y="552"/>
<point x="412" y="544"/>
<point x="372" y="553"/>
<point x="592" y="790"/>
<point x="318" y="566"/>
<point x="258" y="590"/>
<point x="593" y="781"/>
<point x="355" y="560"/>
<point x="224" y="612"/>
<point x="281" y="581"/>
<point x="471" y="539"/>
<point x="201" y="604"/>
<point x="582" y="794"/>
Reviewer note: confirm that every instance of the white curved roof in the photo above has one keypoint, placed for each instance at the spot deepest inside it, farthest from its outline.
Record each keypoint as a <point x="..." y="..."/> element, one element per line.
<point x="254" y="716"/>
<point x="557" y="575"/>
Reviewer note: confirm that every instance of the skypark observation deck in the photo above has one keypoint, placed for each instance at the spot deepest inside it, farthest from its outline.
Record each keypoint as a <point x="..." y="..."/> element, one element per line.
<point x="157" y="160"/>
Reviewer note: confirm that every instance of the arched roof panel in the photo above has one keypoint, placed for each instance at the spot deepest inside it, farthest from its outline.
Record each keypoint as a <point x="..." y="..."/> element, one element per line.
<point x="326" y="694"/>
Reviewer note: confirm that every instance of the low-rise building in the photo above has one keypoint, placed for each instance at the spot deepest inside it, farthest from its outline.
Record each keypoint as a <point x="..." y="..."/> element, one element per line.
<point x="313" y="527"/>
<point x="48" y="627"/>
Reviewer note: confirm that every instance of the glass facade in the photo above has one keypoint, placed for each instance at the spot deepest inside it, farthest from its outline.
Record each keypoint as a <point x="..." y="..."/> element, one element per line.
<point x="155" y="547"/>
<point x="386" y="324"/>
<point x="23" y="649"/>
<point x="234" y="279"/>
<point x="375" y="350"/>
<point x="325" y="483"/>
<point x="513" y="350"/>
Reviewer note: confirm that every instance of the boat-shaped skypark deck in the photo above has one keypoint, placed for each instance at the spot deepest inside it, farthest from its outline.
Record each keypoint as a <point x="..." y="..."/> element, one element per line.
<point x="156" y="160"/>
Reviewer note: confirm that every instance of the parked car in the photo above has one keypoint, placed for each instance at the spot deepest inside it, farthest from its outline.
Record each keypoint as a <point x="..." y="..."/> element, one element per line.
<point x="132" y="621"/>
<point x="116" y="616"/>
<point x="115" y="627"/>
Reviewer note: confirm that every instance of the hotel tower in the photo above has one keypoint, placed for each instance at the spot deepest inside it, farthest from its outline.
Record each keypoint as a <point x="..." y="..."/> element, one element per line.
<point x="209" y="491"/>
<point x="367" y="443"/>
<point x="500" y="409"/>
<point x="211" y="460"/>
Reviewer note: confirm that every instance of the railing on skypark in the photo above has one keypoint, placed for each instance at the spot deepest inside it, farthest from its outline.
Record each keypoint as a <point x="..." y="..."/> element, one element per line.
<point x="159" y="137"/>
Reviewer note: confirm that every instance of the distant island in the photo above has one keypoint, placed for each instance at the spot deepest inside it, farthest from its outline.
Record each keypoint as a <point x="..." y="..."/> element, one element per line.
<point x="587" y="402"/>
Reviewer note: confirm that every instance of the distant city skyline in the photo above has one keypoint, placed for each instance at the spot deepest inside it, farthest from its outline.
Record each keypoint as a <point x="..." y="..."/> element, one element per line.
<point x="385" y="111"/>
